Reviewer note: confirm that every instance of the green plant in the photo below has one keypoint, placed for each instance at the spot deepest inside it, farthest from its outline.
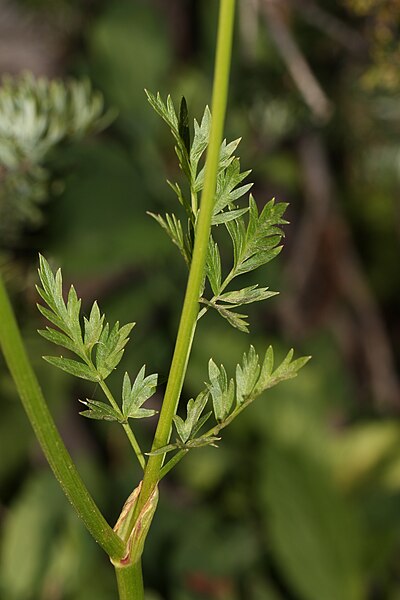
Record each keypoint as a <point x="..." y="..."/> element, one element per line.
<point x="36" y="115"/>
<point x="209" y="203"/>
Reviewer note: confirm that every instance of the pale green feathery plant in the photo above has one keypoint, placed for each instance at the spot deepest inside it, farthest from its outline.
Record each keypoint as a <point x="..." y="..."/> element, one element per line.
<point x="216" y="198"/>
<point x="36" y="115"/>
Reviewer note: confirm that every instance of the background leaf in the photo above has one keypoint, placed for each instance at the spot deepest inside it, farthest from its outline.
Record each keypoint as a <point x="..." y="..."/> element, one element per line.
<point x="314" y="533"/>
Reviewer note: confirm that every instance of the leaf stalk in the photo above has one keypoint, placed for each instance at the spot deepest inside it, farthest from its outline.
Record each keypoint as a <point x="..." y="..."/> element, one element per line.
<point x="127" y="428"/>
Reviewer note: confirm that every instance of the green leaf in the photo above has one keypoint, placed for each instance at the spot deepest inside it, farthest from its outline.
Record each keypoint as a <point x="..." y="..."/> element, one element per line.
<point x="100" y="411"/>
<point x="228" y="176"/>
<point x="256" y="244"/>
<point x="247" y="375"/>
<point x="199" y="442"/>
<point x="213" y="266"/>
<point x="229" y="215"/>
<point x="52" y="335"/>
<point x="203" y="419"/>
<point x="287" y="369"/>
<point x="50" y="316"/>
<point x="222" y="391"/>
<point x="109" y="344"/>
<point x="183" y="127"/>
<point x="246" y="295"/>
<point x="167" y="112"/>
<point x="93" y="327"/>
<point x="227" y="190"/>
<point x="200" y="141"/>
<point x="28" y="525"/>
<point x="237" y="320"/>
<point x="237" y="232"/>
<point x="194" y="411"/>
<point x="73" y="311"/>
<point x="133" y="396"/>
<point x="268" y="364"/>
<point x="311" y="527"/>
<point x="258" y="259"/>
<point x="52" y="291"/>
<point x="73" y="367"/>
<point x="110" y="347"/>
<point x="64" y="316"/>
<point x="164" y="449"/>
<point x="46" y="277"/>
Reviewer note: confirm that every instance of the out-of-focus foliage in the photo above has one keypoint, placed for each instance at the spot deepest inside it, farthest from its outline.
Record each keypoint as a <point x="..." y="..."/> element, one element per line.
<point x="36" y="115"/>
<point x="301" y="501"/>
<point x="383" y="30"/>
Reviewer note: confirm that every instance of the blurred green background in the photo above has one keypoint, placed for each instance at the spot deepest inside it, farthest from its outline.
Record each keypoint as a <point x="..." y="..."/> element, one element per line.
<point x="302" y="499"/>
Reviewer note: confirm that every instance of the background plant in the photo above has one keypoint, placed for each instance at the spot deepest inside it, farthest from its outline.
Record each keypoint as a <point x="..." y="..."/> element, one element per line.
<point x="335" y="423"/>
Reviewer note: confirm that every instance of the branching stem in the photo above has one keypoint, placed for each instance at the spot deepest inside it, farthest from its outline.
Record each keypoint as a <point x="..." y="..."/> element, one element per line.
<point x="210" y="433"/>
<point x="190" y="308"/>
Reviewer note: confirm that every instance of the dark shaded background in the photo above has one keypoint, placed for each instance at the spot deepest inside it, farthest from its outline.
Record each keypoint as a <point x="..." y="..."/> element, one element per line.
<point x="302" y="499"/>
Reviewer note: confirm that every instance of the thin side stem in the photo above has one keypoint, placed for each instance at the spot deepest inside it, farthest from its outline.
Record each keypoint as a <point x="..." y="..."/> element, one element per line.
<point x="190" y="308"/>
<point x="173" y="462"/>
<point x="130" y="582"/>
<point x="47" y="433"/>
<point x="211" y="432"/>
<point x="127" y="428"/>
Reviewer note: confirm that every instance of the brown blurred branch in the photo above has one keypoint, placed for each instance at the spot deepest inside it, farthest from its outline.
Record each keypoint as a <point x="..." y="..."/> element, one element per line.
<point x="371" y="327"/>
<point x="324" y="232"/>
<point x="249" y="24"/>
<point x="297" y="65"/>
<point x="333" y="27"/>
<point x="27" y="43"/>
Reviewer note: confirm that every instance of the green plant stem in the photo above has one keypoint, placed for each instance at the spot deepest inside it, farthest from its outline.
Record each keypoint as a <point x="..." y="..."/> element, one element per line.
<point x="47" y="434"/>
<point x="190" y="308"/>
<point x="127" y="428"/>
<point x="130" y="582"/>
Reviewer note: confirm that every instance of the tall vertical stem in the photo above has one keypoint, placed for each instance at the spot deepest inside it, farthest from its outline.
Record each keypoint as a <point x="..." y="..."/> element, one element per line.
<point x="130" y="582"/>
<point x="190" y="308"/>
